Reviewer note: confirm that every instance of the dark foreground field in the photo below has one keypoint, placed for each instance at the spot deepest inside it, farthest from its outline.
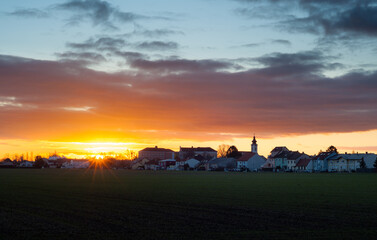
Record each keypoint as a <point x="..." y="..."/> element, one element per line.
<point x="78" y="204"/>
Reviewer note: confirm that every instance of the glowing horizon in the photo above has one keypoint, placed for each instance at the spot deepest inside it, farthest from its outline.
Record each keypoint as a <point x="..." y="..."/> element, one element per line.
<point x="310" y="144"/>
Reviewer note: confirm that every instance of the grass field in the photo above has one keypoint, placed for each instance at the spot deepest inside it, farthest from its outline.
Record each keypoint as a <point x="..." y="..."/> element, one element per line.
<point x="121" y="204"/>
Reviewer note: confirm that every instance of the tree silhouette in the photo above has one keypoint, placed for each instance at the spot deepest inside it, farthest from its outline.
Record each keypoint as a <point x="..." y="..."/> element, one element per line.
<point x="39" y="162"/>
<point x="332" y="149"/>
<point x="232" y="152"/>
<point x="362" y="163"/>
<point x="375" y="164"/>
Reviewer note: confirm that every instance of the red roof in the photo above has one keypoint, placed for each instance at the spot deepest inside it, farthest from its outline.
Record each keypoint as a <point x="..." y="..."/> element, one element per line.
<point x="303" y="162"/>
<point x="246" y="156"/>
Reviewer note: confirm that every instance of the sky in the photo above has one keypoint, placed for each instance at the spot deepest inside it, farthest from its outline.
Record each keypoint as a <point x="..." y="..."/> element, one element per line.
<point x="89" y="76"/>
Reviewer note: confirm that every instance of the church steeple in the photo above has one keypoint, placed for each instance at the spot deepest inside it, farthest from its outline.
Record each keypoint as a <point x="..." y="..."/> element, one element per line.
<point x="254" y="145"/>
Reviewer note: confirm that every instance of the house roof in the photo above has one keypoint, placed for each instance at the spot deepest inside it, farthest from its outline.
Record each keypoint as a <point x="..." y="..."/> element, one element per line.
<point x="324" y="155"/>
<point x="294" y="155"/>
<point x="345" y="156"/>
<point x="197" y="149"/>
<point x="246" y="156"/>
<point x="156" y="149"/>
<point x="281" y="155"/>
<point x="303" y="162"/>
<point x="223" y="162"/>
<point x="278" y="149"/>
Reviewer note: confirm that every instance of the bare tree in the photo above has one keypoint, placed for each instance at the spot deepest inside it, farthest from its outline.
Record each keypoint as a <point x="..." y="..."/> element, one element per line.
<point x="222" y="149"/>
<point x="130" y="154"/>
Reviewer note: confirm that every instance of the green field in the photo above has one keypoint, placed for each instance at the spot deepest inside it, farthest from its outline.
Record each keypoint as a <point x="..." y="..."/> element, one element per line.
<point x="121" y="204"/>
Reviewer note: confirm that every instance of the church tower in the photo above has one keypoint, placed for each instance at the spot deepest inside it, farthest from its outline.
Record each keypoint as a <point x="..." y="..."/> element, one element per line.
<point x="254" y="146"/>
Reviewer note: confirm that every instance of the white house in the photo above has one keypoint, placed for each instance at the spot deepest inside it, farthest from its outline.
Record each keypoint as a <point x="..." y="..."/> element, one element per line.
<point x="341" y="163"/>
<point x="221" y="163"/>
<point x="270" y="164"/>
<point x="320" y="162"/>
<point x="252" y="161"/>
<point x="369" y="158"/>
<point x="192" y="163"/>
<point x="333" y="162"/>
<point x="304" y="165"/>
<point x="26" y="164"/>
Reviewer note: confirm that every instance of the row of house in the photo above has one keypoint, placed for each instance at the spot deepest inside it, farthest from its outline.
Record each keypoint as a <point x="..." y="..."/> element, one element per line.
<point x="157" y="153"/>
<point x="51" y="162"/>
<point x="8" y="163"/>
<point x="282" y="159"/>
<point x="203" y="158"/>
<point x="334" y="162"/>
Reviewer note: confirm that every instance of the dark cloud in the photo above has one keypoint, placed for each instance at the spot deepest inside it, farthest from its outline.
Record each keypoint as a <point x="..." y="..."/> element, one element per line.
<point x="130" y="55"/>
<point x="100" y="44"/>
<point x="269" y="10"/>
<point x="273" y="41"/>
<point x="155" y="33"/>
<point x="329" y="18"/>
<point x="284" y="59"/>
<point x="157" y="46"/>
<point x="281" y="41"/>
<point x="100" y="13"/>
<point x="159" y="33"/>
<point x="190" y="96"/>
<point x="181" y="65"/>
<point x="29" y="13"/>
<point x="360" y="19"/>
<point x="88" y="57"/>
<point x="97" y="11"/>
<point x="251" y="45"/>
<point x="307" y="63"/>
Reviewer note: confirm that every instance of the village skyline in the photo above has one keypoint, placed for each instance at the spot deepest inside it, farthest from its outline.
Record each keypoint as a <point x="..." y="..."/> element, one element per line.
<point x="225" y="158"/>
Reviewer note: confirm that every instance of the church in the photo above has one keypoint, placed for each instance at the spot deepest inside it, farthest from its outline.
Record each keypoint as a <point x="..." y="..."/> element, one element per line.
<point x="251" y="160"/>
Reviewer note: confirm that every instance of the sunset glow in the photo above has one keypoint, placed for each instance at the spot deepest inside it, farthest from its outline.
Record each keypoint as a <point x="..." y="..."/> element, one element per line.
<point x="102" y="78"/>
